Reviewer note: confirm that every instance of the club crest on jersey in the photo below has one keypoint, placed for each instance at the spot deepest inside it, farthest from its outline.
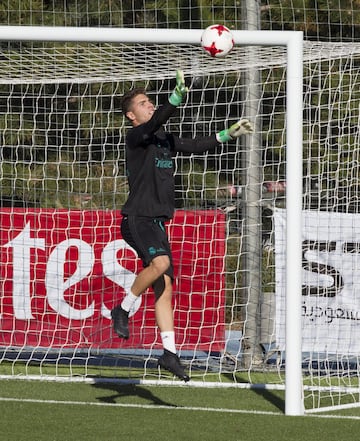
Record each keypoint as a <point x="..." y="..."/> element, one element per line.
<point x="163" y="163"/>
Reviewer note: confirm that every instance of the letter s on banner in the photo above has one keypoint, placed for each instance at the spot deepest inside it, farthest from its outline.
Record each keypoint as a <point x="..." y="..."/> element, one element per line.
<point x="117" y="273"/>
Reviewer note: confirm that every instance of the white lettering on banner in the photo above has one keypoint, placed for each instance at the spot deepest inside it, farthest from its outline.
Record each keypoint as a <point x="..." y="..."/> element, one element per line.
<point x="117" y="273"/>
<point x="55" y="282"/>
<point x="54" y="279"/>
<point x="331" y="281"/>
<point x="21" y="245"/>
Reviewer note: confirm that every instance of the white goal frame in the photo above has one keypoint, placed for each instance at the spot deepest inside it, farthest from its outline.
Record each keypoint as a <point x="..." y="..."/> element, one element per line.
<point x="293" y="41"/>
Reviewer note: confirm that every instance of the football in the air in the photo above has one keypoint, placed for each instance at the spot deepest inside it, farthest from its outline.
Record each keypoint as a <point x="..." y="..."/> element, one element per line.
<point x="217" y="40"/>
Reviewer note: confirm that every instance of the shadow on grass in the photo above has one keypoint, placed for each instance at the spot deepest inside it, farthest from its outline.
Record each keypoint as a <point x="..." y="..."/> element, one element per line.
<point x="271" y="397"/>
<point x="128" y="390"/>
<point x="275" y="397"/>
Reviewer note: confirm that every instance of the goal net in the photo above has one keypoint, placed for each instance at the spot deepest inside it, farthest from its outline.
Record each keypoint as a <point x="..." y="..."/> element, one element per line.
<point x="64" y="264"/>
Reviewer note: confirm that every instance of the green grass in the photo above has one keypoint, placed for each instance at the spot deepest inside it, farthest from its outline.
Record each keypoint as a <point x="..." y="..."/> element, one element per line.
<point x="40" y="410"/>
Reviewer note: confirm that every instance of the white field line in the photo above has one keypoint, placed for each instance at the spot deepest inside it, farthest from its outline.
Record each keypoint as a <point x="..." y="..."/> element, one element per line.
<point x="175" y="408"/>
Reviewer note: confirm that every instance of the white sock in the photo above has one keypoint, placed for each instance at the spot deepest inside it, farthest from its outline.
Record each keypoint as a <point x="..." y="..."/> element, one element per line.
<point x="168" y="341"/>
<point x="128" y="301"/>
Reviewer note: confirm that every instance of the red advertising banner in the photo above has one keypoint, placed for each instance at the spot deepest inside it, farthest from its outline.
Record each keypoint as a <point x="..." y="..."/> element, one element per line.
<point x="63" y="271"/>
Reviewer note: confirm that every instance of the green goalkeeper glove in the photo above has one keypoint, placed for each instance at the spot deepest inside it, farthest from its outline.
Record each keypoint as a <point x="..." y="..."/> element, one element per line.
<point x="180" y="90"/>
<point x="242" y="127"/>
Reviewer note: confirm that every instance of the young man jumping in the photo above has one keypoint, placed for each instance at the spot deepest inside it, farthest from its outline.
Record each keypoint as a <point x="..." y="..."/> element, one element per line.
<point x="150" y="170"/>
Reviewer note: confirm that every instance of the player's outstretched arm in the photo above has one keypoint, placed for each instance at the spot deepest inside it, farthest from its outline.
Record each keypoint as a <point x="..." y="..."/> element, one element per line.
<point x="242" y="127"/>
<point x="180" y="90"/>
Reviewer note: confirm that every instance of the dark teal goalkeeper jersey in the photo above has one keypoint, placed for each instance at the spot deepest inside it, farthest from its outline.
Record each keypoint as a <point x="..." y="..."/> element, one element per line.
<point x="150" y="155"/>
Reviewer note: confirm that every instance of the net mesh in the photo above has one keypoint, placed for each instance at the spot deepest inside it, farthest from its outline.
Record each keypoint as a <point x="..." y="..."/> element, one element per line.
<point x="63" y="148"/>
<point x="105" y="62"/>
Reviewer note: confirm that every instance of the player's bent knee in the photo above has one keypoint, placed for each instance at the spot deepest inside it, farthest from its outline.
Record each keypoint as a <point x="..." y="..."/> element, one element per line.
<point x="161" y="264"/>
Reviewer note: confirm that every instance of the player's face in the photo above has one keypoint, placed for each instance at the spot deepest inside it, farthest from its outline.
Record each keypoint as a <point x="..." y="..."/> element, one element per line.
<point x="142" y="109"/>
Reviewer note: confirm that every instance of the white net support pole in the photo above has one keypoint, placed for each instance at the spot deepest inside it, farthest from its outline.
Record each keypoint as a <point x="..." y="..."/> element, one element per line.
<point x="293" y="376"/>
<point x="293" y="41"/>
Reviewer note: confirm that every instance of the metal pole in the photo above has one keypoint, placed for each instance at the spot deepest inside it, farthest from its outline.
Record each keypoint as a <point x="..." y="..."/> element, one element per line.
<point x="134" y="35"/>
<point x="251" y="210"/>
<point x="294" y="156"/>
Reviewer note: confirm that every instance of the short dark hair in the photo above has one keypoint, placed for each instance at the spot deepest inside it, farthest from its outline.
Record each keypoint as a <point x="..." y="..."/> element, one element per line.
<point x="128" y="97"/>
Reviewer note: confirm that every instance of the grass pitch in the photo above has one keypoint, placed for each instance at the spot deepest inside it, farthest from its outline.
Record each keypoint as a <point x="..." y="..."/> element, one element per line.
<point x="41" y="410"/>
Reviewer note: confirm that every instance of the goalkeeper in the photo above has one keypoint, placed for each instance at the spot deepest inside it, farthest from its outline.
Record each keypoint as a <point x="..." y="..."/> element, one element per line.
<point x="150" y="170"/>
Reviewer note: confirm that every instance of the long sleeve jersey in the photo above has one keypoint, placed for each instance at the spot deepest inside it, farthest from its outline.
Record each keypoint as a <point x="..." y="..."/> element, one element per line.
<point x="150" y="155"/>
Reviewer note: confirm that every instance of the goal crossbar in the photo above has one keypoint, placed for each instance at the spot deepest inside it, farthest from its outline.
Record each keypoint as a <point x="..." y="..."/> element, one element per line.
<point x="139" y="35"/>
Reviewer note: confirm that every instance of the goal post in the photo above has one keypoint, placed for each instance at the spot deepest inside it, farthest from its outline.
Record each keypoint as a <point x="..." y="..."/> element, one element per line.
<point x="294" y="145"/>
<point x="293" y="43"/>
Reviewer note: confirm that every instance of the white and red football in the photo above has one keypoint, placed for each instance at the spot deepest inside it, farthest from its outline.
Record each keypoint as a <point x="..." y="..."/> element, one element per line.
<point x="217" y="40"/>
